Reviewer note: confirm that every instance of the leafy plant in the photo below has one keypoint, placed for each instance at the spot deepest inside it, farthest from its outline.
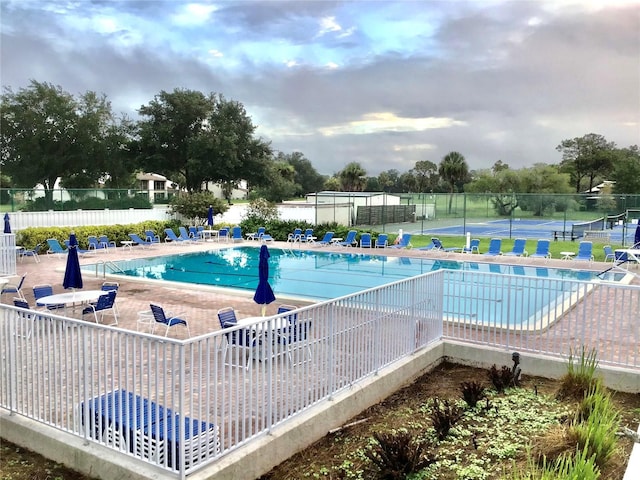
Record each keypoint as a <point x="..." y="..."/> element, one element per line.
<point x="502" y="378"/>
<point x="444" y="416"/>
<point x="472" y="392"/>
<point x="396" y="455"/>
<point x="580" y="377"/>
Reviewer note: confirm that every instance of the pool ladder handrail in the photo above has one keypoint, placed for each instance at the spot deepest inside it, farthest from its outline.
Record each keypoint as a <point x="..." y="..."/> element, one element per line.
<point x="105" y="263"/>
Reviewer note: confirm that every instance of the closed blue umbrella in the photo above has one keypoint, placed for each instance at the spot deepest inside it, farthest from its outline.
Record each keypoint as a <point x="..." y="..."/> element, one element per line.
<point x="210" y="216"/>
<point x="7" y="223"/>
<point x="637" y="239"/>
<point x="264" y="294"/>
<point x="72" y="274"/>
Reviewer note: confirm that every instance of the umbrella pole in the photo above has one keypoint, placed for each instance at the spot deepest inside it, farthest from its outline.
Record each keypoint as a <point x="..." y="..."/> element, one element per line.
<point x="264" y="310"/>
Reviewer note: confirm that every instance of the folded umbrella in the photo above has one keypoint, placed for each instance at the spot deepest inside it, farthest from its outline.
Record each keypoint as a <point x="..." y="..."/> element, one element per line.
<point x="72" y="274"/>
<point x="264" y="294"/>
<point x="7" y="223"/>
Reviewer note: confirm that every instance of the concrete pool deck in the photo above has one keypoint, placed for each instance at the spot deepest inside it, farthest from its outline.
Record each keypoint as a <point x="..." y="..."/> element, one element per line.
<point x="199" y="305"/>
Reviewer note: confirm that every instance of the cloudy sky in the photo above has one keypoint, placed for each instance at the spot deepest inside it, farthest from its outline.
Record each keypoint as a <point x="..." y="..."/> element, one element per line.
<point x="382" y="83"/>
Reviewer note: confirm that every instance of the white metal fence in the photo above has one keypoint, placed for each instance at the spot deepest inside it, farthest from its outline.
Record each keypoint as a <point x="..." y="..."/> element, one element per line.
<point x="182" y="404"/>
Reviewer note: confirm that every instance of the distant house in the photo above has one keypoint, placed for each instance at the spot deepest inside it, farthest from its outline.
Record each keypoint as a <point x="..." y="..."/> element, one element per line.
<point x="157" y="186"/>
<point x="605" y="186"/>
<point x="239" y="193"/>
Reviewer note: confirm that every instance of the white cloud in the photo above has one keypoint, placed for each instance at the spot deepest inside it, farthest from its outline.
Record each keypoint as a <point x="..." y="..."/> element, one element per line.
<point x="194" y="14"/>
<point x="389" y="122"/>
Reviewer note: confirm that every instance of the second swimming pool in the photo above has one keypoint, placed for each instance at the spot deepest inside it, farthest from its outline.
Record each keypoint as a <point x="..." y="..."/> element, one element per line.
<point x="314" y="274"/>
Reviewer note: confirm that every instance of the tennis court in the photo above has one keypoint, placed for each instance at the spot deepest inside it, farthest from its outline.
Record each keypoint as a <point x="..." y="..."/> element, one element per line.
<point x="534" y="229"/>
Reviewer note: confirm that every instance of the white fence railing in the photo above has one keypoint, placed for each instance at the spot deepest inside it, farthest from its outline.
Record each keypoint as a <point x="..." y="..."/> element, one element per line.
<point x="183" y="404"/>
<point x="7" y="254"/>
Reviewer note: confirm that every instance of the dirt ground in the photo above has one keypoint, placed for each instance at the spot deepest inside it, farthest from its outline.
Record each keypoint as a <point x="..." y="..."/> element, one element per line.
<point x="17" y="463"/>
<point x="443" y="383"/>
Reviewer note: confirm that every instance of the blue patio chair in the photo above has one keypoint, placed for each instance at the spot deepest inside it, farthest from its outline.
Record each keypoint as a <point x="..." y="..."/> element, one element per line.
<point x="30" y="317"/>
<point x="150" y="236"/>
<point x="239" y="340"/>
<point x="382" y="241"/>
<point x="404" y="242"/>
<point x="294" y="335"/>
<point x="137" y="240"/>
<point x="223" y="235"/>
<point x="350" y="240"/>
<point x="167" y="319"/>
<point x="494" y="248"/>
<point x="55" y="248"/>
<point x="518" y="248"/>
<point x="31" y="252"/>
<point x="585" y="252"/>
<point x="326" y="240"/>
<point x="542" y="249"/>
<point x="105" y="303"/>
<point x="236" y="234"/>
<point x="474" y="246"/>
<point x="365" y="240"/>
<point x="609" y="254"/>
<point x="170" y="236"/>
<point x="44" y="290"/>
<point x="14" y="289"/>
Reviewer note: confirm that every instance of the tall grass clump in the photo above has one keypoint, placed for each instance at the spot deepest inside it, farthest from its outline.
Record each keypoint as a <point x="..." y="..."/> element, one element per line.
<point x="596" y="424"/>
<point x="578" y="466"/>
<point x="581" y="375"/>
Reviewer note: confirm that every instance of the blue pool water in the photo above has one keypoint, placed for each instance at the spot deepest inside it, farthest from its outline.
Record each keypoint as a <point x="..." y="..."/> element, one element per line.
<point x="316" y="275"/>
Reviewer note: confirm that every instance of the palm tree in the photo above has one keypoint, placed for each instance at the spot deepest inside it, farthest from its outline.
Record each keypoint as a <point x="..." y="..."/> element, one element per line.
<point x="453" y="169"/>
<point x="353" y="178"/>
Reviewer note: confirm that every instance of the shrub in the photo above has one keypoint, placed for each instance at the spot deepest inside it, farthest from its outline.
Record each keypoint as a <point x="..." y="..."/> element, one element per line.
<point x="396" y="455"/>
<point x="444" y="416"/>
<point x="502" y="378"/>
<point x="472" y="392"/>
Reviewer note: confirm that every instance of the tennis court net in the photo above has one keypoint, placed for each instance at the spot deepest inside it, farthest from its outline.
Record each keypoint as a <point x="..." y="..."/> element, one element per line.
<point x="578" y="229"/>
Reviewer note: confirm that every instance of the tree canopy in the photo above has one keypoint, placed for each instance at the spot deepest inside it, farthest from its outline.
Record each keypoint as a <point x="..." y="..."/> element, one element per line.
<point x="194" y="138"/>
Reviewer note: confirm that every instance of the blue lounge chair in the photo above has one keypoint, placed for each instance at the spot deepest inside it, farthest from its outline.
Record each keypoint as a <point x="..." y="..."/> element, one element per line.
<point x="494" y="248"/>
<point x="236" y="234"/>
<point x="171" y="236"/>
<point x="184" y="235"/>
<point x="31" y="252"/>
<point x="365" y="240"/>
<point x="405" y="241"/>
<point x="381" y="241"/>
<point x="350" y="240"/>
<point x="308" y="236"/>
<point x="542" y="249"/>
<point x="585" y="252"/>
<point x="264" y="237"/>
<point x="609" y="254"/>
<point x="139" y="241"/>
<point x="474" y="246"/>
<point x="518" y="248"/>
<point x="437" y="245"/>
<point x="296" y="236"/>
<point x="326" y="240"/>
<point x="94" y="244"/>
<point x="55" y="248"/>
<point x="151" y="236"/>
<point x="193" y="233"/>
<point x="105" y="242"/>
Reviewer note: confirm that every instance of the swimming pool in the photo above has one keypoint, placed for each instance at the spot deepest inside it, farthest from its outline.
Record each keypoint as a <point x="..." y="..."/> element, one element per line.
<point x="313" y="275"/>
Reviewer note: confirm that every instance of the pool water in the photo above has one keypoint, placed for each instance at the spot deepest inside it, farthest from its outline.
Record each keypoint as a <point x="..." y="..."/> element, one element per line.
<point x="315" y="275"/>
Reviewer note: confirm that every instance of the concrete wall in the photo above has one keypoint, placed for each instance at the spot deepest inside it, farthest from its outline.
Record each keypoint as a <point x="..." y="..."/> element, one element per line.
<point x="260" y="455"/>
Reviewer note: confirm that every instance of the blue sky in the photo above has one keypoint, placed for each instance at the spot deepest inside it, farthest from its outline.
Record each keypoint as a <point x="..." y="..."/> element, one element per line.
<point x="381" y="83"/>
